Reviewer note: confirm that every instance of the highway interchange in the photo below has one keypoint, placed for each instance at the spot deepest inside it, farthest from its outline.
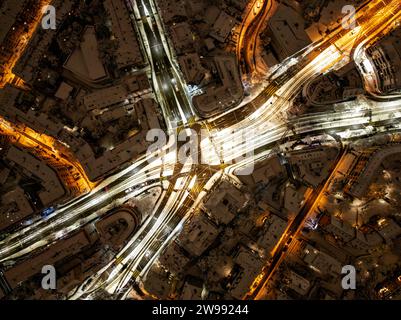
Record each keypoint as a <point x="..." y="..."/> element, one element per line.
<point x="260" y="125"/>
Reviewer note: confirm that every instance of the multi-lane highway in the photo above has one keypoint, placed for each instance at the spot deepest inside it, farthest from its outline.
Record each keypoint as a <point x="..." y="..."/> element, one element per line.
<point x="168" y="85"/>
<point x="264" y="119"/>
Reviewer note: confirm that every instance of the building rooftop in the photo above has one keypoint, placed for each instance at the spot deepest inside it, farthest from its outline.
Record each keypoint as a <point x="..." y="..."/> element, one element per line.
<point x="9" y="10"/>
<point x="64" y="91"/>
<point x="298" y="283"/>
<point x="273" y="229"/>
<point x="198" y="235"/>
<point x="364" y="179"/>
<point x="53" y="188"/>
<point x="174" y="259"/>
<point x="222" y="27"/>
<point x="14" y="207"/>
<point x="220" y="97"/>
<point x="183" y="38"/>
<point x="341" y="229"/>
<point x="85" y="60"/>
<point x="321" y="262"/>
<point x="287" y="30"/>
<point x="130" y="88"/>
<point x="192" y="68"/>
<point x="225" y="202"/>
<point x="129" y="51"/>
<point x="250" y="266"/>
<point x="191" y="292"/>
<point x="294" y="198"/>
<point x="50" y="256"/>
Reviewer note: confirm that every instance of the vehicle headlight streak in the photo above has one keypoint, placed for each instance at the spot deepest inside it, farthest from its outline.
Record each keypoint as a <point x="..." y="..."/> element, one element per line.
<point x="267" y="128"/>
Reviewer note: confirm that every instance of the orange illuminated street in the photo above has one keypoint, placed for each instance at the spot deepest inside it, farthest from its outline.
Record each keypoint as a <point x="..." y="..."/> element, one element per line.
<point x="200" y="150"/>
<point x="46" y="148"/>
<point x="21" y="41"/>
<point x="293" y="231"/>
<point x="43" y="146"/>
<point x="247" y="45"/>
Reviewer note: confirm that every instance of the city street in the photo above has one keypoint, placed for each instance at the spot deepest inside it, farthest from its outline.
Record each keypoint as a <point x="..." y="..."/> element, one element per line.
<point x="264" y="120"/>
